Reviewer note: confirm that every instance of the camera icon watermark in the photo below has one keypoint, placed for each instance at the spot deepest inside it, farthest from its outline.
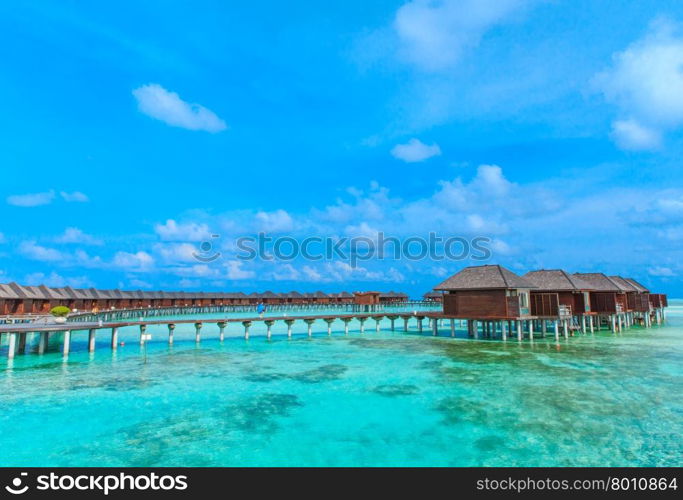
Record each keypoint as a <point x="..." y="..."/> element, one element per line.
<point x="206" y="251"/>
<point x="16" y="488"/>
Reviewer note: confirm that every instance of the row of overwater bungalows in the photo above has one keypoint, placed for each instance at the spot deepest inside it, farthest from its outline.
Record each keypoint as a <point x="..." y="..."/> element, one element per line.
<point x="494" y="293"/>
<point x="17" y="299"/>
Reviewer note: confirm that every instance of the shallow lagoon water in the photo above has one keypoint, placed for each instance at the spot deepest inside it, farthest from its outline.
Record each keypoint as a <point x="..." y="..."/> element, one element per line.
<point x="371" y="399"/>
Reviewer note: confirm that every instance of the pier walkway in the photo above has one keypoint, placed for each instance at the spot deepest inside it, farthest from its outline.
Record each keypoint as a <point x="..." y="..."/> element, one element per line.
<point x="529" y="328"/>
<point x="17" y="332"/>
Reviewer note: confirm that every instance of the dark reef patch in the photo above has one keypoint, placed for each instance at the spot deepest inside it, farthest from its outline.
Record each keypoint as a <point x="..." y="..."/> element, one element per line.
<point x="393" y="390"/>
<point x="490" y="443"/>
<point x="258" y="413"/>
<point x="323" y="373"/>
<point x="264" y="377"/>
<point x="457" y="409"/>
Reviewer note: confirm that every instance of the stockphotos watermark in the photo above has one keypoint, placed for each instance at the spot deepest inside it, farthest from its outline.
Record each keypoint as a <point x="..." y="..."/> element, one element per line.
<point x="104" y="483"/>
<point x="351" y="249"/>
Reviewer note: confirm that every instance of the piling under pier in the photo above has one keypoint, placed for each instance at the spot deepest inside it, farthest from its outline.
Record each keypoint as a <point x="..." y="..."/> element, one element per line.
<point x="503" y="327"/>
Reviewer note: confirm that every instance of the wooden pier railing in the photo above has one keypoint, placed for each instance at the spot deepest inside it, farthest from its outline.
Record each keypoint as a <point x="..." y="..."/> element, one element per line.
<point x="530" y="327"/>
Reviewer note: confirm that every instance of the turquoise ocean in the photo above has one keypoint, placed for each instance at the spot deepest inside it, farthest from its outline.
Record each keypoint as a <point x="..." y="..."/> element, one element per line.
<point x="370" y="399"/>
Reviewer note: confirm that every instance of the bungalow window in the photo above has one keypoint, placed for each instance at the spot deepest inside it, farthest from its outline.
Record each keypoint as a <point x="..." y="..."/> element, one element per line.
<point x="524" y="299"/>
<point x="586" y="301"/>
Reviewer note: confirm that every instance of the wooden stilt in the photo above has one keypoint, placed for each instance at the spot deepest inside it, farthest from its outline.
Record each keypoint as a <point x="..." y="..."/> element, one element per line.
<point x="11" y="345"/>
<point x="67" y="343"/>
<point x="42" y="342"/>
<point x="21" y="347"/>
<point x="309" y="323"/>
<point x="91" y="340"/>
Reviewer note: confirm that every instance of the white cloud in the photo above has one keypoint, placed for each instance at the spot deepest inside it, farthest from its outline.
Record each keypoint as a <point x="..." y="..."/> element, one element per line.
<point x="31" y="199"/>
<point x="234" y="271"/>
<point x="490" y="179"/>
<point x="75" y="235"/>
<point x="361" y="230"/>
<point x="32" y="250"/>
<point x="161" y="104"/>
<point x="415" y="151"/>
<point x="191" y="231"/>
<point x="80" y="257"/>
<point x="274" y="222"/>
<point x="138" y="261"/>
<point x="499" y="247"/>
<point x="311" y="274"/>
<point x="220" y="269"/>
<point x="76" y="196"/>
<point x="56" y="280"/>
<point x="138" y="283"/>
<point x="661" y="271"/>
<point x="631" y="135"/>
<point x="645" y="83"/>
<point x="433" y="35"/>
<point x="285" y="272"/>
<point x="173" y="253"/>
<point x="188" y="283"/>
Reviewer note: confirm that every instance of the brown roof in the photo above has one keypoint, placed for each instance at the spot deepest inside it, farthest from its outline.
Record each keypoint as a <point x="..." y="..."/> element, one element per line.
<point x="557" y="279"/>
<point x="623" y="283"/>
<point x="601" y="282"/>
<point x="484" y="277"/>
<point x="637" y="285"/>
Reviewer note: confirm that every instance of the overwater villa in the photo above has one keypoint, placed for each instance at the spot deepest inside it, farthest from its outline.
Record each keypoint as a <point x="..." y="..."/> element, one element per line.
<point x="433" y="296"/>
<point x="608" y="298"/>
<point x="18" y="299"/>
<point x="560" y="296"/>
<point x="498" y="300"/>
<point x="489" y="299"/>
<point x="486" y="292"/>
<point x="489" y="296"/>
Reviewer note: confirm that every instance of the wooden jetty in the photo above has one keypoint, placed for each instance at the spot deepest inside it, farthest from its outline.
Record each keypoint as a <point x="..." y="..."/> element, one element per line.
<point x="487" y="301"/>
<point x="17" y="332"/>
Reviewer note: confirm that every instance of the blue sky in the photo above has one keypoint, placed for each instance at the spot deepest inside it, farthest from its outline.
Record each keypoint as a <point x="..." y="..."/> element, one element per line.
<point x="132" y="131"/>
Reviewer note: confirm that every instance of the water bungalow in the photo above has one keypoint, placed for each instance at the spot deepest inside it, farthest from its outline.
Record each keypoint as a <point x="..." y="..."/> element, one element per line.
<point x="392" y="297"/>
<point x="17" y="299"/>
<point x="491" y="296"/>
<point x="486" y="292"/>
<point x="646" y="303"/>
<point x="433" y="297"/>
<point x="490" y="299"/>
<point x="560" y="296"/>
<point x="608" y="299"/>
